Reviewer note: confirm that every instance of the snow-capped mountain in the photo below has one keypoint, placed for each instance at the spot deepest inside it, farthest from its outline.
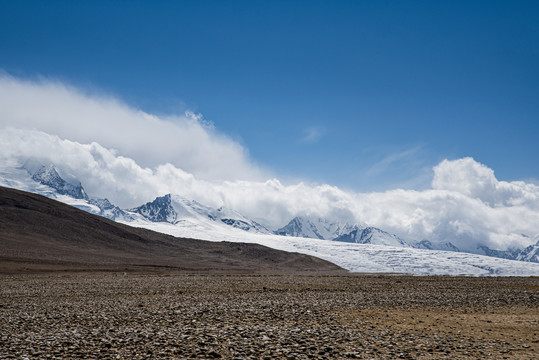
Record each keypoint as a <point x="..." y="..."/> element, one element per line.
<point x="530" y="253"/>
<point x="318" y="228"/>
<point x="49" y="181"/>
<point x="108" y="210"/>
<point x="175" y="209"/>
<point x="511" y="254"/>
<point x="48" y="175"/>
<point x="159" y="210"/>
<point x="315" y="228"/>
<point x="372" y="235"/>
<point x="428" y="245"/>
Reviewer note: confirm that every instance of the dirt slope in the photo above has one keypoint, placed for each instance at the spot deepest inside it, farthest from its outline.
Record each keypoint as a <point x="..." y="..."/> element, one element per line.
<point x="37" y="233"/>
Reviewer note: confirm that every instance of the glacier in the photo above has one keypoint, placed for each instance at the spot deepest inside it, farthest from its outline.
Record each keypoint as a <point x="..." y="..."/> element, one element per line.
<point x="360" y="258"/>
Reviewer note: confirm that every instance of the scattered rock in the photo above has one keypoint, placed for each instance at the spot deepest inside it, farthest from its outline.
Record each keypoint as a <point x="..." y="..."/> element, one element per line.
<point x="264" y="317"/>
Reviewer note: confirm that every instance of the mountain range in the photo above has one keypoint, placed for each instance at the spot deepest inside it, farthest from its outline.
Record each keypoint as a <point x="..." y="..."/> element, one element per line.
<point x="319" y="228"/>
<point x="178" y="211"/>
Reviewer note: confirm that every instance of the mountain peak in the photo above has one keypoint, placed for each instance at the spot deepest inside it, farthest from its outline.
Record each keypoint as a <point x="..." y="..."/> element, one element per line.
<point x="174" y="208"/>
<point x="324" y="229"/>
<point x="316" y="228"/>
<point x="158" y="210"/>
<point x="49" y="175"/>
<point x="372" y="235"/>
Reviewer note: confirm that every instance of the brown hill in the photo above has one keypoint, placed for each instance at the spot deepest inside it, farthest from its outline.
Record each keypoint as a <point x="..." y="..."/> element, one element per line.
<point x="37" y="233"/>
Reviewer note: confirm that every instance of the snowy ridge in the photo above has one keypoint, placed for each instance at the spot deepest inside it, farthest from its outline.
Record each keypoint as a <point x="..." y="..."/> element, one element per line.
<point x="109" y="210"/>
<point x="175" y="209"/>
<point x="530" y="253"/>
<point x="318" y="228"/>
<point x="48" y="175"/>
<point x="426" y="244"/>
<point x="48" y="180"/>
<point x="315" y="228"/>
<point x="159" y="210"/>
<point x="372" y="235"/>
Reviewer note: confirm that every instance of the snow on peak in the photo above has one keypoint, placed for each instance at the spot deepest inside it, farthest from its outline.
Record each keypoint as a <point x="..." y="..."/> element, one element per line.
<point x="315" y="228"/>
<point x="158" y="210"/>
<point x="49" y="175"/>
<point x="372" y="235"/>
<point x="530" y="253"/>
<point x="428" y="245"/>
<point x="324" y="229"/>
<point x="174" y="209"/>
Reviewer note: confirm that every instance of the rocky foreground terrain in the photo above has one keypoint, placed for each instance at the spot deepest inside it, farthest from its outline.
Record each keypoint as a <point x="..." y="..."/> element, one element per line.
<point x="178" y="316"/>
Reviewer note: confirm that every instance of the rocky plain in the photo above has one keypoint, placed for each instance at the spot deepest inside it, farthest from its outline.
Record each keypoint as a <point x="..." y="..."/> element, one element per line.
<point x="175" y="315"/>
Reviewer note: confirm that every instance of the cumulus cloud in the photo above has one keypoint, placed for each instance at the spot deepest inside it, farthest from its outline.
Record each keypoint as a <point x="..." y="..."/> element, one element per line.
<point x="186" y="141"/>
<point x="475" y="180"/>
<point x="131" y="157"/>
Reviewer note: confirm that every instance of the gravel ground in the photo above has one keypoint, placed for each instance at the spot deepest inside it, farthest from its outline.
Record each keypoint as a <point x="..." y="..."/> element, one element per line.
<point x="179" y="316"/>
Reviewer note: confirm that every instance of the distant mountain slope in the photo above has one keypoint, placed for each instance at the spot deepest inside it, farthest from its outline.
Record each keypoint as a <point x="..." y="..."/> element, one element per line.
<point x="318" y="228"/>
<point x="315" y="228"/>
<point x="48" y="175"/>
<point x="530" y="253"/>
<point x="35" y="229"/>
<point x="372" y="235"/>
<point x="174" y="209"/>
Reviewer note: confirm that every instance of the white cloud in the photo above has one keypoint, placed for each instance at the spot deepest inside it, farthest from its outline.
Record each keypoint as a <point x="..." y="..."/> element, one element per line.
<point x="312" y="134"/>
<point x="390" y="161"/>
<point x="186" y="141"/>
<point x="470" y="178"/>
<point x="131" y="157"/>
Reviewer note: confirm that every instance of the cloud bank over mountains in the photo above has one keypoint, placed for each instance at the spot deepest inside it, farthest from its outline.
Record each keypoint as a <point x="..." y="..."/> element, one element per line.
<point x="131" y="157"/>
<point x="184" y="141"/>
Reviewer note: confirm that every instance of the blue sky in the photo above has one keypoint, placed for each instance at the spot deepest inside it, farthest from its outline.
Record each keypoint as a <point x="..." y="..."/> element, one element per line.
<point x="363" y="95"/>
